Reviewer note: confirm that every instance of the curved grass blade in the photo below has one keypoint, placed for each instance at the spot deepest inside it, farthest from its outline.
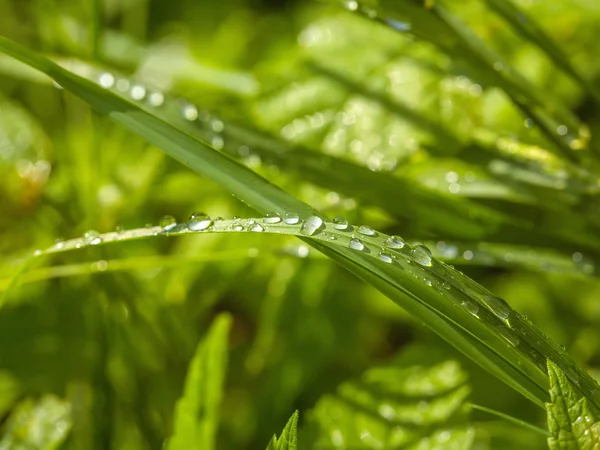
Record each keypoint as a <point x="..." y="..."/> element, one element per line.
<point x="464" y="313"/>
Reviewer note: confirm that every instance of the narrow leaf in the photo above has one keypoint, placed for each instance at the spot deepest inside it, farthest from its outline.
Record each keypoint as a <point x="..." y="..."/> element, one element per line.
<point x="197" y="411"/>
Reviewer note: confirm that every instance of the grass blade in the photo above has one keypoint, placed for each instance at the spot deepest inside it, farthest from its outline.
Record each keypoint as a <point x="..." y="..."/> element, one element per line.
<point x="464" y="313"/>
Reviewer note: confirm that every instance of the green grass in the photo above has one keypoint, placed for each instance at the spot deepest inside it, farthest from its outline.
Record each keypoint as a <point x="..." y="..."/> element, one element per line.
<point x="473" y="138"/>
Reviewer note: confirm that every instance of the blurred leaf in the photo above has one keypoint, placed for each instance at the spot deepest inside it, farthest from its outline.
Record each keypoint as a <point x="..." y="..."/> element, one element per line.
<point x="197" y="412"/>
<point x="573" y="424"/>
<point x="289" y="436"/>
<point x="37" y="425"/>
<point x="418" y="407"/>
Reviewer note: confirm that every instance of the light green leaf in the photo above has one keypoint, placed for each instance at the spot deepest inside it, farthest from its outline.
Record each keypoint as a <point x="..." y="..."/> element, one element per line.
<point x="416" y="407"/>
<point x="197" y="411"/>
<point x="573" y="424"/>
<point x="289" y="436"/>
<point x="41" y="425"/>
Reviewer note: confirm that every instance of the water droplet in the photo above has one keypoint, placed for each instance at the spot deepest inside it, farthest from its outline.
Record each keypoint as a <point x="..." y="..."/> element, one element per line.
<point x="470" y="307"/>
<point x="421" y="255"/>
<point x="37" y="252"/>
<point x="398" y="25"/>
<point x="562" y="130"/>
<point x="385" y="257"/>
<point x="167" y="223"/>
<point x="272" y="217"/>
<point x="190" y="112"/>
<point x="394" y="242"/>
<point x="446" y="285"/>
<point x="528" y="122"/>
<point x="237" y="227"/>
<point x="156" y="99"/>
<point x="59" y="243"/>
<point x="217" y="126"/>
<point x="106" y="80"/>
<point x="468" y="255"/>
<point x="291" y="218"/>
<point x="427" y="282"/>
<point x="352" y="5"/>
<point x="340" y="223"/>
<point x="198" y="222"/>
<point x="92" y="237"/>
<point x="577" y="257"/>
<point x="311" y="225"/>
<point x="367" y="231"/>
<point x="508" y="336"/>
<point x="257" y="228"/>
<point x="498" y="306"/>
<point x="123" y="85"/>
<point x="356" y="244"/>
<point x="137" y="92"/>
<point x="217" y="142"/>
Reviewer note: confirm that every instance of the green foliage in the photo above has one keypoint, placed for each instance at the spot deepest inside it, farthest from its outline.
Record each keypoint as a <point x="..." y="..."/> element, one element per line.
<point x="468" y="128"/>
<point x="289" y="436"/>
<point x="396" y="407"/>
<point x="572" y="422"/>
<point x="41" y="424"/>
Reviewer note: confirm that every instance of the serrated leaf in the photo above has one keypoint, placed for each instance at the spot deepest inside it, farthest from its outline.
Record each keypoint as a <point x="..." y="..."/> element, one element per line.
<point x="37" y="425"/>
<point x="197" y="411"/>
<point x="416" y="407"/>
<point x="573" y="424"/>
<point x="289" y="436"/>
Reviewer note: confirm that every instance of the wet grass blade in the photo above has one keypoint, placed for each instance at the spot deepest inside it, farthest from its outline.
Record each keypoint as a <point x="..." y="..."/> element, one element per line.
<point x="464" y="313"/>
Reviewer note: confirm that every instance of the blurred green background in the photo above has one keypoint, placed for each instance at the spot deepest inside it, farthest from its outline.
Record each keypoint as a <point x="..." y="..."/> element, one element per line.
<point x="112" y="330"/>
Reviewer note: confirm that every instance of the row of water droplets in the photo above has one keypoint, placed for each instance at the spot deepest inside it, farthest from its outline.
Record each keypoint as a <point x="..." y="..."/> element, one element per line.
<point x="493" y="311"/>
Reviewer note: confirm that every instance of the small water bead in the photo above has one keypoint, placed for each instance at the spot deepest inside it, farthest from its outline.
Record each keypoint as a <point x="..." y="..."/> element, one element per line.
<point x="217" y="142"/>
<point x="394" y="242"/>
<point x="199" y="222"/>
<point x="311" y="225"/>
<point x="237" y="227"/>
<point x="272" y="217"/>
<point x="92" y="237"/>
<point x="190" y="112"/>
<point x="59" y="243"/>
<point x="123" y="85"/>
<point x="106" y="80"/>
<point x="562" y="130"/>
<point x="256" y="228"/>
<point x="167" y="223"/>
<point x="352" y="5"/>
<point x="291" y="218"/>
<point x="367" y="231"/>
<point x="356" y="244"/>
<point x="385" y="257"/>
<point x="421" y="255"/>
<point x="428" y="282"/>
<point x="508" y="336"/>
<point x="470" y="307"/>
<point x="156" y="99"/>
<point x="137" y="92"/>
<point x="446" y="285"/>
<point x="217" y="126"/>
<point x="340" y="223"/>
<point x="498" y="306"/>
<point x="398" y="25"/>
<point x="37" y="252"/>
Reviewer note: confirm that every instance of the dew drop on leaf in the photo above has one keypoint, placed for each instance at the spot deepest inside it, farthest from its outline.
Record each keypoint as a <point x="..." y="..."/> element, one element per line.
<point x="272" y="217"/>
<point x="470" y="307"/>
<point x="190" y="112"/>
<point x="367" y="231"/>
<point x="340" y="223"/>
<point x="394" y="242"/>
<point x="311" y="225"/>
<point x="498" y="306"/>
<point x="237" y="227"/>
<point x="156" y="99"/>
<point x="356" y="244"/>
<point x="92" y="237"/>
<point x="167" y="223"/>
<point x="257" y="228"/>
<point x="106" y="80"/>
<point x="385" y="257"/>
<point x="291" y="218"/>
<point x="199" y="222"/>
<point x="421" y="255"/>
